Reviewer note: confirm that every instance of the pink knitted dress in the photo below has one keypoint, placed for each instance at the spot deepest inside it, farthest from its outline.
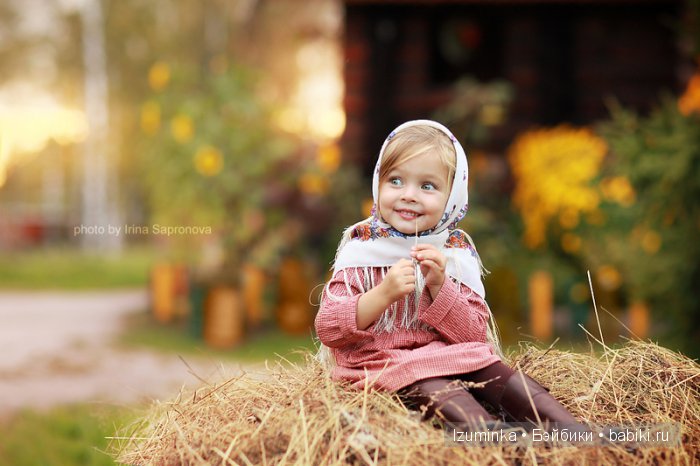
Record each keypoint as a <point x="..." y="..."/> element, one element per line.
<point x="448" y="338"/>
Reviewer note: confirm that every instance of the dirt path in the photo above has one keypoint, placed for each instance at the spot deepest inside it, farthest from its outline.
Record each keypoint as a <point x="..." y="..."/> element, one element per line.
<point x="58" y="347"/>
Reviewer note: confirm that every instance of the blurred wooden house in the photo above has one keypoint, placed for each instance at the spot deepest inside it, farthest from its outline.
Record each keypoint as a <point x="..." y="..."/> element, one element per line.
<point x="563" y="58"/>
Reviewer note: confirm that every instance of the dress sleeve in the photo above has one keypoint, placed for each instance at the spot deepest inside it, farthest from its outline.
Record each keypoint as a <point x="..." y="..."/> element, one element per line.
<point x="458" y="314"/>
<point x="336" y="321"/>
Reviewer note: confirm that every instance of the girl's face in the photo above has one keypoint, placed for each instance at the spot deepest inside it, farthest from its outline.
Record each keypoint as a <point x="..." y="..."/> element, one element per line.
<point x="415" y="190"/>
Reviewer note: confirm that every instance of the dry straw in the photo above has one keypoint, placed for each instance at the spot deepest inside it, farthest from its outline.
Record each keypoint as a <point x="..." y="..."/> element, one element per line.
<point x="295" y="414"/>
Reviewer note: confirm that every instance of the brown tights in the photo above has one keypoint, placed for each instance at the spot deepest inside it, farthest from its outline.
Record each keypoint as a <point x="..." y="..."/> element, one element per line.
<point x="447" y="398"/>
<point x="503" y="388"/>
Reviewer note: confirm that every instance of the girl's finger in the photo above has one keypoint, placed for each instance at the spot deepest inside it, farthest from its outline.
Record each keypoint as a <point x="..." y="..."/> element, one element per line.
<point x="431" y="265"/>
<point x="435" y="260"/>
<point x="426" y="267"/>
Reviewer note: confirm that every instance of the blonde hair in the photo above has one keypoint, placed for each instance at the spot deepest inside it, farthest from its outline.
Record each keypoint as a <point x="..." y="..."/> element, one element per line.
<point x="415" y="141"/>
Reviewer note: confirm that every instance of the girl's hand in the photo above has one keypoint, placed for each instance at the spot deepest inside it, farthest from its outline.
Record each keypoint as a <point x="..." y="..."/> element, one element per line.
<point x="432" y="266"/>
<point x="399" y="280"/>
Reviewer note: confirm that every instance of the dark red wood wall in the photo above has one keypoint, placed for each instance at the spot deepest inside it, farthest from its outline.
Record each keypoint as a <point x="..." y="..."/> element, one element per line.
<point x="563" y="59"/>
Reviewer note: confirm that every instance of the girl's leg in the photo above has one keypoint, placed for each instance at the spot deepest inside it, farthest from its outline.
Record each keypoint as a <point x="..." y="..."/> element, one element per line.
<point x="517" y="394"/>
<point x="494" y="378"/>
<point x="447" y="399"/>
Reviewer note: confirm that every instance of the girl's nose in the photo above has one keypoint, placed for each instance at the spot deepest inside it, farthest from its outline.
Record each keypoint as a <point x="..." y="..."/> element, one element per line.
<point x="409" y="193"/>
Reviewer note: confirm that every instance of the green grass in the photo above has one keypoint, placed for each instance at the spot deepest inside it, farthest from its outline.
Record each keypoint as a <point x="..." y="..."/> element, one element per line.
<point x="69" y="435"/>
<point x="257" y="346"/>
<point x="73" y="270"/>
<point x="76" y="434"/>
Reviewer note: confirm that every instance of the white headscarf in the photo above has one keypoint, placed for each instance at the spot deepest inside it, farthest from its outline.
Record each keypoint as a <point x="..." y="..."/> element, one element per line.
<point x="374" y="243"/>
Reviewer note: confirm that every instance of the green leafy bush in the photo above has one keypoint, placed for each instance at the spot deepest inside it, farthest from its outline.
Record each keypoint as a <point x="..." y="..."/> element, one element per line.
<point x="654" y="238"/>
<point x="212" y="158"/>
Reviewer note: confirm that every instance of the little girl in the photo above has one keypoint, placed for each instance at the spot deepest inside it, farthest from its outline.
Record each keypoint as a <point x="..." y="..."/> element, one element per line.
<point x="405" y="310"/>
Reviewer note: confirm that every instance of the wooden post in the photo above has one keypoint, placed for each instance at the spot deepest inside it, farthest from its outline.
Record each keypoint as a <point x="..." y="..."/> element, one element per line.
<point x="223" y="319"/>
<point x="541" y="290"/>
<point x="163" y="292"/>
<point x="639" y="320"/>
<point x="294" y="313"/>
<point x="253" y="287"/>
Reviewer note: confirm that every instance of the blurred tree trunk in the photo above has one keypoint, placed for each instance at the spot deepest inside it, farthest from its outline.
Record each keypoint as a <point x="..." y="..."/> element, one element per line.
<point x="98" y="191"/>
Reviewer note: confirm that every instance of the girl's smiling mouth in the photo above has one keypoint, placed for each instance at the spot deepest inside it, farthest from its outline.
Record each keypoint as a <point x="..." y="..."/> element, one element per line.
<point x="407" y="214"/>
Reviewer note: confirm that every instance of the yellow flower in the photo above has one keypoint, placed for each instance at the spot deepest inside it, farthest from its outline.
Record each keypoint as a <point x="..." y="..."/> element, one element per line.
<point x="570" y="243"/>
<point x="618" y="189"/>
<point x="328" y="158"/>
<point x="150" y="117"/>
<point x="311" y="183"/>
<point x="553" y="169"/>
<point x="208" y="161"/>
<point x="651" y="242"/>
<point x="690" y="100"/>
<point x="182" y="129"/>
<point x="159" y="76"/>
<point x="609" y="277"/>
<point x="569" y="218"/>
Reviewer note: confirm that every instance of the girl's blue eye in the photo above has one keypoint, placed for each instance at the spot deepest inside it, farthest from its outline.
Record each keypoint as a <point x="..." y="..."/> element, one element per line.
<point x="395" y="181"/>
<point x="428" y="186"/>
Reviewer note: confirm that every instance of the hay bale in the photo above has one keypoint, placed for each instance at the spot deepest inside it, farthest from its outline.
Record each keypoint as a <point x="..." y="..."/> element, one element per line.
<point x="297" y="415"/>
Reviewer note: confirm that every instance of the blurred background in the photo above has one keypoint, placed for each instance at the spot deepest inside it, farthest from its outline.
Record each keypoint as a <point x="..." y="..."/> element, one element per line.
<point x="191" y="164"/>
